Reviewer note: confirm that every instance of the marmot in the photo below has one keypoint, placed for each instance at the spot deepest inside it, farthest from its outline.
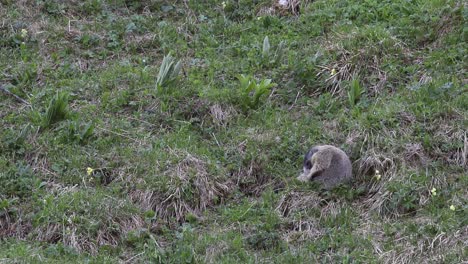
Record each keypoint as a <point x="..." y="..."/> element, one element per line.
<point x="327" y="165"/>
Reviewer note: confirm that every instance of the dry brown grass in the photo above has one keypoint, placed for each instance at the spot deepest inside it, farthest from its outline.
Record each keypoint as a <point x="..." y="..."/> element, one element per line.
<point x="221" y="115"/>
<point x="298" y="227"/>
<point x="372" y="161"/>
<point x="414" y="154"/>
<point x="253" y="179"/>
<point x="364" y="62"/>
<point x="426" y="249"/>
<point x="11" y="226"/>
<point x="190" y="189"/>
<point x="447" y="134"/>
<point x="296" y="201"/>
<point x="112" y="229"/>
<point x="111" y="233"/>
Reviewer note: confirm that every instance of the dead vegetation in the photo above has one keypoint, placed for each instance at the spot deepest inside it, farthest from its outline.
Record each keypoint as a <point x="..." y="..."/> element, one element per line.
<point x="253" y="179"/>
<point x="221" y="115"/>
<point x="11" y="226"/>
<point x="75" y="229"/>
<point x="427" y="250"/>
<point x="298" y="227"/>
<point x="189" y="190"/>
<point x="364" y="61"/>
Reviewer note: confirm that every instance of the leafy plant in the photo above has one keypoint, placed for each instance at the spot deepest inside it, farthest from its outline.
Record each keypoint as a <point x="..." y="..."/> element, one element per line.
<point x="239" y="10"/>
<point x="56" y="111"/>
<point x="168" y="73"/>
<point x="27" y="73"/>
<point x="251" y="91"/>
<point x="355" y="92"/>
<point x="402" y="198"/>
<point x="16" y="138"/>
<point x="78" y="132"/>
<point x="264" y="241"/>
<point x="18" y="180"/>
<point x="266" y="47"/>
<point x="272" y="57"/>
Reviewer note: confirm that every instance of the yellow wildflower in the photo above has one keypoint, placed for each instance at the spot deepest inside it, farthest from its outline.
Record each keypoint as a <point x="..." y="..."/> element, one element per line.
<point x="89" y="170"/>
<point x="452" y="207"/>
<point x="333" y="71"/>
<point x="434" y="191"/>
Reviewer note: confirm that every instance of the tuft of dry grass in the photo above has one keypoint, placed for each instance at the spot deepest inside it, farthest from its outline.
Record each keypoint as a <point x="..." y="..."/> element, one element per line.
<point x="11" y="227"/>
<point x="72" y="227"/>
<point x="371" y="161"/>
<point x="426" y="249"/>
<point x="253" y="180"/>
<point x="297" y="201"/>
<point x="293" y="207"/>
<point x="72" y="235"/>
<point x="446" y="150"/>
<point x="190" y="189"/>
<point x="414" y="154"/>
<point x="222" y="115"/>
<point x="195" y="110"/>
<point x="365" y="61"/>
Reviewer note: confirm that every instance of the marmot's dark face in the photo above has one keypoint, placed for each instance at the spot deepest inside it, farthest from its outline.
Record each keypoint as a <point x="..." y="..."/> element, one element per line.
<point x="308" y="160"/>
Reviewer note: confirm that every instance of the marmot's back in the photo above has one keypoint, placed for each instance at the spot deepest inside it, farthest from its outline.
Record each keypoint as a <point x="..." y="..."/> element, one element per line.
<point x="340" y="170"/>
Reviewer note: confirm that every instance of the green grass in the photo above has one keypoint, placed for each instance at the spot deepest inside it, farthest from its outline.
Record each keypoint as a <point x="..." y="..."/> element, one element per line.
<point x="204" y="170"/>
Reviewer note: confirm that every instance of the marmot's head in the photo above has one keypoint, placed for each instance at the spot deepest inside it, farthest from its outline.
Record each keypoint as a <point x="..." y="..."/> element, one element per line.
<point x="308" y="160"/>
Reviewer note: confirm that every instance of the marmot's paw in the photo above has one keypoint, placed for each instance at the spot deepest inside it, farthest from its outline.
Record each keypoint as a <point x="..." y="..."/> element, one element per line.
<point x="302" y="178"/>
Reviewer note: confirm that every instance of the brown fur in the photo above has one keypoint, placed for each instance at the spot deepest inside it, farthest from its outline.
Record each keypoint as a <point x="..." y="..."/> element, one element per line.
<point x="328" y="165"/>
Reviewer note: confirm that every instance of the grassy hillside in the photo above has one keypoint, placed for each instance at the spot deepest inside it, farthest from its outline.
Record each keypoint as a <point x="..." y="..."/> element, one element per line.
<point x="105" y="159"/>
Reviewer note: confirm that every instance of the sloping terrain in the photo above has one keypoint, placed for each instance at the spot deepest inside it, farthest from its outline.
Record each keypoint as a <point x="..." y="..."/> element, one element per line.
<point x="112" y="151"/>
